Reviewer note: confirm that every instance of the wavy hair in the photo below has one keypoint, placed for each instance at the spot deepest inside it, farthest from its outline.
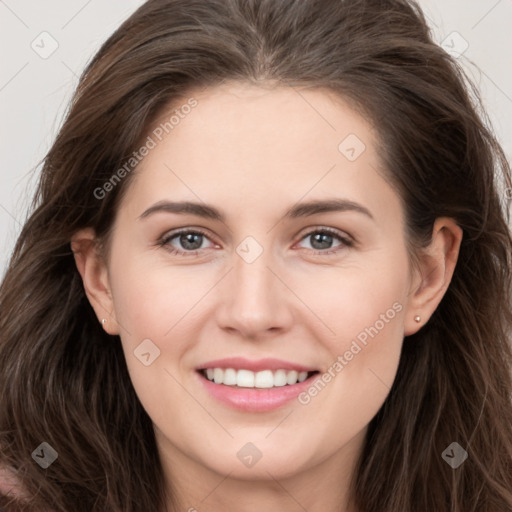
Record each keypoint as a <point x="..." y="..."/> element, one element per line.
<point x="64" y="381"/>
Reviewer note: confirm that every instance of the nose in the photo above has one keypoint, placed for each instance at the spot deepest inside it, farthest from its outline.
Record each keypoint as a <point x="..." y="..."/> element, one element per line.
<point x="254" y="301"/>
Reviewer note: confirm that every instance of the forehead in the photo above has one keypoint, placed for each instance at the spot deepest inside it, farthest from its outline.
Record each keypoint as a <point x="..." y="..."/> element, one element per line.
<point x="285" y="121"/>
<point x="245" y="145"/>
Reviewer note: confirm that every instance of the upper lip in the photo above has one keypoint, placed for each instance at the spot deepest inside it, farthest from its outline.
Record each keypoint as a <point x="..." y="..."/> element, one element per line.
<point x="241" y="363"/>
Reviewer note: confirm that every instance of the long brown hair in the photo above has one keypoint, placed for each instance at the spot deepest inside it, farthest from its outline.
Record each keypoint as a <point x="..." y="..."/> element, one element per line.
<point x="64" y="381"/>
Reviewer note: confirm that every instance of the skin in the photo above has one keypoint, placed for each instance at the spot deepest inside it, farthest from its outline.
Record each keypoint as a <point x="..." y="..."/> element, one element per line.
<point x="253" y="153"/>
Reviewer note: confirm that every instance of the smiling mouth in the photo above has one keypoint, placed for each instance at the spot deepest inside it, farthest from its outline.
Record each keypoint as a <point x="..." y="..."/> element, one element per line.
<point x="247" y="379"/>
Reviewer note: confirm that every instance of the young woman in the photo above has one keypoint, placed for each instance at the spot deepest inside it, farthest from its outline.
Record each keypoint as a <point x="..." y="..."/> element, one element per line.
<point x="268" y="268"/>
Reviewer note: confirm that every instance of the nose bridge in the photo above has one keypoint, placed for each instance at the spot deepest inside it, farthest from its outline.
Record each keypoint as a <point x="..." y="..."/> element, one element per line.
<point x="252" y="287"/>
<point x="254" y="299"/>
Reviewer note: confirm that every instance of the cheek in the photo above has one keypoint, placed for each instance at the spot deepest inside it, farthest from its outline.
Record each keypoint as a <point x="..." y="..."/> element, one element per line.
<point x="353" y="301"/>
<point x="359" y="302"/>
<point x="150" y="300"/>
<point x="149" y="306"/>
<point x="366" y="312"/>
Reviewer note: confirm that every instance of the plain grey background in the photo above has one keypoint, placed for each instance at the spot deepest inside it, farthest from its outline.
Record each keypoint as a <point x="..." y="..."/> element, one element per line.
<point x="46" y="45"/>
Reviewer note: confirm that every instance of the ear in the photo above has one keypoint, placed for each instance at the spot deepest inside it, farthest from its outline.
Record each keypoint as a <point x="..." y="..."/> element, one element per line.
<point x="94" y="272"/>
<point x="433" y="274"/>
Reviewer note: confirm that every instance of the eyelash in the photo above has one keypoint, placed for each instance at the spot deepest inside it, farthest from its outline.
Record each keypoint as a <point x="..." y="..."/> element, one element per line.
<point x="346" y="241"/>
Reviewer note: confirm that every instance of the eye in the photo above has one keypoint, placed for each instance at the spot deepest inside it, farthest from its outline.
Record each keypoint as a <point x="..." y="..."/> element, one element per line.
<point x="188" y="242"/>
<point x="322" y="241"/>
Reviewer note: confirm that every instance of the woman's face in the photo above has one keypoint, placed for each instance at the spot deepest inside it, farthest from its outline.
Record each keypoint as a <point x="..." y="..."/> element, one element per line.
<point x="289" y="258"/>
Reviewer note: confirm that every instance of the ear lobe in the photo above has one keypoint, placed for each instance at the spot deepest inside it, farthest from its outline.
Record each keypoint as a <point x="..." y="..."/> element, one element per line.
<point x="436" y="266"/>
<point x="93" y="270"/>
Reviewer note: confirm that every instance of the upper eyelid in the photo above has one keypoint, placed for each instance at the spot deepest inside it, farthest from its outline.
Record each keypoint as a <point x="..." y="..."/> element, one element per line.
<point x="343" y="236"/>
<point x="173" y="234"/>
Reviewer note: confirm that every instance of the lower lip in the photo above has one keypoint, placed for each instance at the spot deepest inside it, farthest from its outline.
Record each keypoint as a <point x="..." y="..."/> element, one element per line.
<point x="255" y="399"/>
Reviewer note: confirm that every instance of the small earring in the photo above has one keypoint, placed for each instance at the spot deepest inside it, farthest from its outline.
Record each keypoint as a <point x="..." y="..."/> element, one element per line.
<point x="103" y="321"/>
<point x="417" y="319"/>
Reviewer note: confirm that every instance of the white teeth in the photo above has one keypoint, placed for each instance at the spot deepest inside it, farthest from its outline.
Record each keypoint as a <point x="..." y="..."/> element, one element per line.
<point x="264" y="379"/>
<point x="249" y="379"/>
<point x="245" y="379"/>
<point x="291" y="377"/>
<point x="230" y="377"/>
<point x="218" y="375"/>
<point x="280" y="378"/>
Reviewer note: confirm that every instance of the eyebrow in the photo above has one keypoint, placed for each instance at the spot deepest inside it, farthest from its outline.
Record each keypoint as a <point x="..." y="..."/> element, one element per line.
<point x="299" y="210"/>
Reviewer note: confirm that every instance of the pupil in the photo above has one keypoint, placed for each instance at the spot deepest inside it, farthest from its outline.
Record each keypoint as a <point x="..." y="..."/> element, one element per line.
<point x="187" y="241"/>
<point x="324" y="240"/>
